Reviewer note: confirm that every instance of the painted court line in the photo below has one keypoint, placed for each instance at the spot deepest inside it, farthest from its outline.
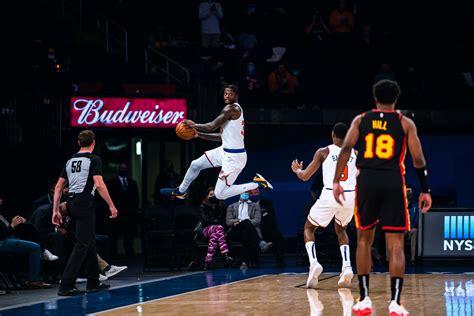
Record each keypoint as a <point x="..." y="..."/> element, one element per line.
<point x="177" y="295"/>
<point x="304" y="284"/>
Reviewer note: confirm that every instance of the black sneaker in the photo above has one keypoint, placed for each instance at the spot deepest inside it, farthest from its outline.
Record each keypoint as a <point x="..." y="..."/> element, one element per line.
<point x="98" y="288"/>
<point x="70" y="292"/>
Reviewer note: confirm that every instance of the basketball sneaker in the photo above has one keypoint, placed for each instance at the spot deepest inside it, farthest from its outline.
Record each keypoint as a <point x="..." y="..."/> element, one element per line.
<point x="363" y="307"/>
<point x="314" y="273"/>
<point x="262" y="183"/>
<point x="345" y="277"/>
<point x="174" y="193"/>
<point x="397" y="310"/>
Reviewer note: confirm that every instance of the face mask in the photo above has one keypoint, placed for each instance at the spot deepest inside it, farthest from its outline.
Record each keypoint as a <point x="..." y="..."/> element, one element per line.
<point x="250" y="68"/>
<point x="244" y="196"/>
<point x="255" y="198"/>
<point x="213" y="200"/>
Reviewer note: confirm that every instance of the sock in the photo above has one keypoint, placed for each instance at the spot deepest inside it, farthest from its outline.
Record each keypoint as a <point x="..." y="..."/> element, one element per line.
<point x="363" y="286"/>
<point x="107" y="268"/>
<point x="396" y="285"/>
<point x="346" y="256"/>
<point x="311" y="250"/>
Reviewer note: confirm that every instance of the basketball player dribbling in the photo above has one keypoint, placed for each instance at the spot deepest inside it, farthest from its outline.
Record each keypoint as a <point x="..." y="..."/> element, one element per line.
<point x="383" y="135"/>
<point x="231" y="155"/>
<point x="326" y="207"/>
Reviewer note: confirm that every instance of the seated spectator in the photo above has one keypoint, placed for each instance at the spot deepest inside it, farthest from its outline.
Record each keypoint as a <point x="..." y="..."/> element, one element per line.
<point x="8" y="243"/>
<point x="209" y="228"/>
<point x="282" y="85"/>
<point x="47" y="198"/>
<point x="243" y="218"/>
<point x="341" y="20"/>
<point x="269" y="226"/>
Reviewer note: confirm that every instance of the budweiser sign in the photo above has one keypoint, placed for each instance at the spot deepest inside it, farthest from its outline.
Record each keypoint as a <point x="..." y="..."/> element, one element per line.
<point x="125" y="112"/>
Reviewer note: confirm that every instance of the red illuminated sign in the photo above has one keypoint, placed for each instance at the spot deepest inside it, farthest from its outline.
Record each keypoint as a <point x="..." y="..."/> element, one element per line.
<point x="127" y="112"/>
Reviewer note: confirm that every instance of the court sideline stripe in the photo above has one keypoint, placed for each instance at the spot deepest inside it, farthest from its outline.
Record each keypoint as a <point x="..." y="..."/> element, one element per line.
<point x="111" y="289"/>
<point x="329" y="277"/>
<point x="176" y="295"/>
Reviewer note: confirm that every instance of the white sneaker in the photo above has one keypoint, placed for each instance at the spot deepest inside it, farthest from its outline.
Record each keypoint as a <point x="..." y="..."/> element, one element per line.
<point x="314" y="272"/>
<point x="345" y="277"/>
<point x="397" y="310"/>
<point x="364" y="307"/>
<point x="347" y="300"/>
<point x="114" y="270"/>
<point x="102" y="277"/>
<point x="315" y="305"/>
<point x="48" y="256"/>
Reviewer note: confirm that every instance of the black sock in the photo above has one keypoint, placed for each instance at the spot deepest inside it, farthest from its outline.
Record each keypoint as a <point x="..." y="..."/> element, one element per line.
<point x="363" y="286"/>
<point x="396" y="285"/>
<point x="107" y="268"/>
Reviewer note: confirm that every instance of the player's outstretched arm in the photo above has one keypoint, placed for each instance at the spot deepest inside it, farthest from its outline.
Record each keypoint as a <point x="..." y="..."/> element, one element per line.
<point x="419" y="162"/>
<point x="305" y="174"/>
<point x="230" y="112"/>
<point x="214" y="137"/>
<point x="349" y="142"/>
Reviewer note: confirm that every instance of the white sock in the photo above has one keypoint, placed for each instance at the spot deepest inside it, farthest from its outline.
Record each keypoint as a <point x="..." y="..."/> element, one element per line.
<point x="311" y="250"/>
<point x="346" y="256"/>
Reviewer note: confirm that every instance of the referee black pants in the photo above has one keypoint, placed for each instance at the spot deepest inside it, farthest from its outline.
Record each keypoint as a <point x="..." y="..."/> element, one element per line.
<point x="84" y="251"/>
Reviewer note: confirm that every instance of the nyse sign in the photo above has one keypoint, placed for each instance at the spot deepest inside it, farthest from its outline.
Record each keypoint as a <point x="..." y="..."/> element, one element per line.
<point x="448" y="233"/>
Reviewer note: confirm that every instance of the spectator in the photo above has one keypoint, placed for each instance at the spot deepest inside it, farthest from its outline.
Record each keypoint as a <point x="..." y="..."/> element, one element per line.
<point x="47" y="198"/>
<point x="341" y="20"/>
<point x="282" y="85"/>
<point x="251" y="84"/>
<point x="8" y="243"/>
<point x="414" y="217"/>
<point x="385" y="73"/>
<point x="243" y="218"/>
<point x="124" y="191"/>
<point x="269" y="226"/>
<point x="316" y="28"/>
<point x="210" y="14"/>
<point x="209" y="228"/>
<point x="247" y="40"/>
<point x="168" y="178"/>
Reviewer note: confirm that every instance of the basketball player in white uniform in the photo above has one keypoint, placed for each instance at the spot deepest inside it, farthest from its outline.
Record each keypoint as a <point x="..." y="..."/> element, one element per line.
<point x="326" y="206"/>
<point x="231" y="156"/>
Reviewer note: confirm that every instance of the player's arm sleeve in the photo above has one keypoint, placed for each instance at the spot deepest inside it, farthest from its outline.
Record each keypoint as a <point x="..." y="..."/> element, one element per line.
<point x="96" y="167"/>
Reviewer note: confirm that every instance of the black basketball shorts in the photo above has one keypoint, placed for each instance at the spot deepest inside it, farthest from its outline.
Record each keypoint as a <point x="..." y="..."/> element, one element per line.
<point x="381" y="198"/>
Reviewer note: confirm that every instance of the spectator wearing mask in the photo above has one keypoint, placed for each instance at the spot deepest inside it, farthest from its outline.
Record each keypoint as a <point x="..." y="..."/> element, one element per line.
<point x="244" y="218"/>
<point x="124" y="191"/>
<point x="269" y="226"/>
<point x="282" y="85"/>
<point x="209" y="228"/>
<point x="8" y="243"/>
<point x="251" y="84"/>
<point x="210" y="14"/>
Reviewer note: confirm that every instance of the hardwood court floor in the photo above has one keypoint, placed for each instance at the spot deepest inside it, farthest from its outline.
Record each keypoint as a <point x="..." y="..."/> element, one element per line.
<point x="423" y="294"/>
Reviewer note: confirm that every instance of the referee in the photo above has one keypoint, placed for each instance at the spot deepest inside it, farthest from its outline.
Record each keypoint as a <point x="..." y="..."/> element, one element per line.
<point x="83" y="172"/>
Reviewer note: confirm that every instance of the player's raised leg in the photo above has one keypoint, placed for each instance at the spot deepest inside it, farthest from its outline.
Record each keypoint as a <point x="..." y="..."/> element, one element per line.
<point x="225" y="187"/>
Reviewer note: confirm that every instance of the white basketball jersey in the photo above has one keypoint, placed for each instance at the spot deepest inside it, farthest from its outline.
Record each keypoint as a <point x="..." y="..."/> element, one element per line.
<point x="349" y="176"/>
<point x="232" y="132"/>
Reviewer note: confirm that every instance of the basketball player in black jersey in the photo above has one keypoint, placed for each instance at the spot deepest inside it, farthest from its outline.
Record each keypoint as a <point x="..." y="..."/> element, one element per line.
<point x="383" y="135"/>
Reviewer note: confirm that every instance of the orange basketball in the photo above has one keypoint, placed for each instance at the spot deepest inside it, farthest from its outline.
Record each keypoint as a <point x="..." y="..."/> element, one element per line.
<point x="185" y="132"/>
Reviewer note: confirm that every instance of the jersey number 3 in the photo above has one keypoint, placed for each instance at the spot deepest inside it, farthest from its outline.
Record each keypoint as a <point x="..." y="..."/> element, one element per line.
<point x="384" y="146"/>
<point x="76" y="166"/>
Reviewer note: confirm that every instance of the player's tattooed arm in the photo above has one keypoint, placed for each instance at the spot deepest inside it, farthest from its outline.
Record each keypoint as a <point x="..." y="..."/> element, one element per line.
<point x="230" y="112"/>
<point x="305" y="174"/>
<point x="214" y="137"/>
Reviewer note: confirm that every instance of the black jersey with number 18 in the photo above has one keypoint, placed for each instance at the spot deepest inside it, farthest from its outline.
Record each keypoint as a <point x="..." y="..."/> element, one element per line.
<point x="382" y="141"/>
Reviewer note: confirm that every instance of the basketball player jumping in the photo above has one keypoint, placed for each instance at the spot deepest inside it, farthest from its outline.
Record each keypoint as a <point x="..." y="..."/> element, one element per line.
<point x="326" y="208"/>
<point x="231" y="156"/>
<point x="383" y="135"/>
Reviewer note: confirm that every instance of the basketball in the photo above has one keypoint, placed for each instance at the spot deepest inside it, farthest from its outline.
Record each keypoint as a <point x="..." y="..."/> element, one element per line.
<point x="185" y="132"/>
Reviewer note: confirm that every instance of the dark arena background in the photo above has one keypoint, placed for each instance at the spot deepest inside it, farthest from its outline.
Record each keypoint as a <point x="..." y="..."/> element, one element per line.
<point x="130" y="71"/>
